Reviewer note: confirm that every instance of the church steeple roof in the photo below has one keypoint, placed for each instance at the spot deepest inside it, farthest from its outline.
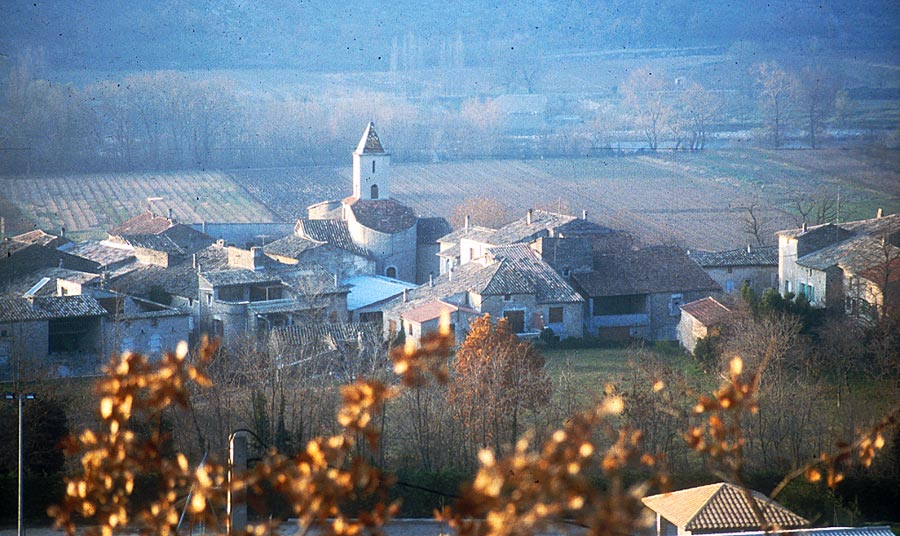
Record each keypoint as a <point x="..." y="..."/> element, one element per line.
<point x="369" y="143"/>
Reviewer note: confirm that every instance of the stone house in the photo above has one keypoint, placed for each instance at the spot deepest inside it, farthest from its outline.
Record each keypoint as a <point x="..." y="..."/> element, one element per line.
<point x="640" y="293"/>
<point x="717" y="509"/>
<point x="61" y="333"/>
<point x="700" y="319"/>
<point x="756" y="266"/>
<point x="851" y="268"/>
<point x="253" y="293"/>
<point x="511" y="282"/>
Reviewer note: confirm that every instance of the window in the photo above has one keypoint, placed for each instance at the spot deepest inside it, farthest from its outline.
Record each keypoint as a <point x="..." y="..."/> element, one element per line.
<point x="409" y="328"/>
<point x="516" y="320"/>
<point x="218" y="328"/>
<point x="373" y="166"/>
<point x="155" y="343"/>
<point x="507" y="297"/>
<point x="729" y="286"/>
<point x="675" y="303"/>
<point x="231" y="294"/>
<point x="391" y="272"/>
<point x="374" y="190"/>
<point x="556" y="315"/>
<point x="787" y="287"/>
<point x="566" y="272"/>
<point x="631" y="304"/>
<point x="730" y="269"/>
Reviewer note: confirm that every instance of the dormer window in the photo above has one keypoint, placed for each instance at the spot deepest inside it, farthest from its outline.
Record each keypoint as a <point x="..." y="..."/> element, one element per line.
<point x="374" y="189"/>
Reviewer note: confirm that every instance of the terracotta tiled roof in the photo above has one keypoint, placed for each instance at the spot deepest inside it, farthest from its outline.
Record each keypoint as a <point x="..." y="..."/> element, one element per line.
<point x="721" y="508"/>
<point x="433" y="309"/>
<point x="383" y="215"/>
<point x="50" y="307"/>
<point x="646" y="271"/>
<point x="335" y="232"/>
<point x="707" y="311"/>
<point x="882" y="530"/>
<point x="145" y="223"/>
<point x="749" y="256"/>
<point x="369" y="143"/>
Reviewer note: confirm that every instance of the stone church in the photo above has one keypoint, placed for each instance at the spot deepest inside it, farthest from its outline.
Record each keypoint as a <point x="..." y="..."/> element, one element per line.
<point x="371" y="222"/>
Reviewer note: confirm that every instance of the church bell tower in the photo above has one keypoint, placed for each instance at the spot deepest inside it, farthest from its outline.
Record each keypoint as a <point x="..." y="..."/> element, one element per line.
<point x="371" y="167"/>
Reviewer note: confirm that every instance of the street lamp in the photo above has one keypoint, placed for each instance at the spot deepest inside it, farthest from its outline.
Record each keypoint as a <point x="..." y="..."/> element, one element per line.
<point x="20" y="397"/>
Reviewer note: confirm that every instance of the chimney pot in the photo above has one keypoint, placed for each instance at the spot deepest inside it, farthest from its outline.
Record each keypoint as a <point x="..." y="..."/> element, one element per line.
<point x="528" y="216"/>
<point x="805" y="227"/>
<point x="748" y="248"/>
<point x="880" y="213"/>
<point x="431" y="279"/>
<point x="467" y="223"/>
<point x="404" y="295"/>
<point x="170" y="213"/>
<point x="584" y="214"/>
<point x="194" y="260"/>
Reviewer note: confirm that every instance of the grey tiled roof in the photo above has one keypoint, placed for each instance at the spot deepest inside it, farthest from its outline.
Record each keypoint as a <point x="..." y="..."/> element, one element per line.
<point x="522" y="231"/>
<point x="383" y="215"/>
<point x="429" y="230"/>
<point x="474" y="232"/>
<point x="239" y="276"/>
<point x="291" y="246"/>
<point x="335" y="232"/>
<point x="756" y="256"/>
<point x="452" y="252"/>
<point x="720" y="507"/>
<point x="39" y="236"/>
<point x="50" y="307"/>
<point x="855" y="255"/>
<point x="646" y="271"/>
<point x="154" y="242"/>
<point x="179" y="280"/>
<point x="522" y="271"/>
<point x="370" y="143"/>
<point x="18" y="259"/>
<point x="101" y="253"/>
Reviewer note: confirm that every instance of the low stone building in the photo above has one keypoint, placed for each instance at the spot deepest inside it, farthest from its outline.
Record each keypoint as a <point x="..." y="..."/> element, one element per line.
<point x="699" y="319"/>
<point x="731" y="269"/>
<point x="640" y="293"/>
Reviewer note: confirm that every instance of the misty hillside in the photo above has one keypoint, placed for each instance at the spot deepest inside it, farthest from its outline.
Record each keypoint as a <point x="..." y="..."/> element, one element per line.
<point x="374" y="35"/>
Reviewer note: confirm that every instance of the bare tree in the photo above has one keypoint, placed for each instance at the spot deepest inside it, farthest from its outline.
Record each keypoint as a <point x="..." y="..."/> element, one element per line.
<point x="778" y="89"/>
<point x="645" y="93"/>
<point x="698" y="107"/>
<point x="817" y="93"/>
<point x="756" y="222"/>
<point x="815" y="209"/>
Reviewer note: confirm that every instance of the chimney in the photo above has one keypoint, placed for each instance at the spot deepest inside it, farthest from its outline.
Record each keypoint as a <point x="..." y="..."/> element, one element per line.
<point x="220" y="242"/>
<point x="748" y="249"/>
<point x="467" y="223"/>
<point x="63" y="231"/>
<point x="880" y="213"/>
<point x="583" y="214"/>
<point x="170" y="214"/>
<point x="194" y="260"/>
<point x="336" y="283"/>
<point x="431" y="279"/>
<point x="805" y="227"/>
<point x="528" y="216"/>
<point x="258" y="256"/>
<point x="404" y="295"/>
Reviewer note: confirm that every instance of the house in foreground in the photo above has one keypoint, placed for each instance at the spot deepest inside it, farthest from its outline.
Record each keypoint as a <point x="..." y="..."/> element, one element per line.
<point x="717" y="508"/>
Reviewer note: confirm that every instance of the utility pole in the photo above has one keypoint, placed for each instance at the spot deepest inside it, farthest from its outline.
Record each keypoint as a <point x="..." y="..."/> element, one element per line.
<point x="20" y="397"/>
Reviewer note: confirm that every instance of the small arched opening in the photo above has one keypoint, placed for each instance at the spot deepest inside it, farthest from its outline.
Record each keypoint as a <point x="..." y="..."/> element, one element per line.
<point x="374" y="191"/>
<point x="391" y="272"/>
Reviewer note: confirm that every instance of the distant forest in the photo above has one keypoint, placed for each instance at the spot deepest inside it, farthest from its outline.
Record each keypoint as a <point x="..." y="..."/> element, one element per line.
<point x="101" y="85"/>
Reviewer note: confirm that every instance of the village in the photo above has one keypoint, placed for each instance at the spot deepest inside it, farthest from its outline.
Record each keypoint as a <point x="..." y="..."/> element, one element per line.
<point x="367" y="260"/>
<point x="368" y="272"/>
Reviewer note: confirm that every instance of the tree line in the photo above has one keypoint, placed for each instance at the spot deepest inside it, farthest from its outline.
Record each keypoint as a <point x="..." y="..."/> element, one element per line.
<point x="182" y="120"/>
